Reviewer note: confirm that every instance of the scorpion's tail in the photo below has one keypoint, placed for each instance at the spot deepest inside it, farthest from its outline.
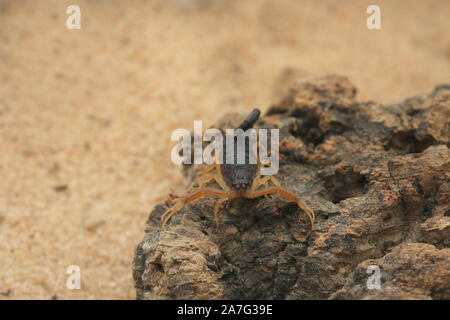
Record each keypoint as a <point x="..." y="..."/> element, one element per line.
<point x="250" y="120"/>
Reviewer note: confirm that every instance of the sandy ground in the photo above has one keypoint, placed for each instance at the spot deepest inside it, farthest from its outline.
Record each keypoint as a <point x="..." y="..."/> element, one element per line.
<point x="86" y="115"/>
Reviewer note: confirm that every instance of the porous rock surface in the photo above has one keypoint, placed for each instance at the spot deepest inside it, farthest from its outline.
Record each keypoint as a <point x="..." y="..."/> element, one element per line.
<point x="377" y="177"/>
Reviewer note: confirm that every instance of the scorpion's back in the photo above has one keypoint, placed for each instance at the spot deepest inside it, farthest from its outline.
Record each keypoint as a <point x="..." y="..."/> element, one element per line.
<point x="240" y="176"/>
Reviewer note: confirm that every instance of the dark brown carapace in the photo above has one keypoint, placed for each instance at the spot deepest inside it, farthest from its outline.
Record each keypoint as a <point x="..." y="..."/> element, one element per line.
<point x="237" y="181"/>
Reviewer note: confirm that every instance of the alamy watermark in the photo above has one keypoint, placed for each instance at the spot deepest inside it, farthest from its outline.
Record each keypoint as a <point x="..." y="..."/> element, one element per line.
<point x="74" y="20"/>
<point x="374" y="280"/>
<point x="374" y="20"/>
<point x="74" y="280"/>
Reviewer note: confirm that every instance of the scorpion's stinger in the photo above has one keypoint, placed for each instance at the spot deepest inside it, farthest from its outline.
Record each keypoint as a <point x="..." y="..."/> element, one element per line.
<point x="250" y="120"/>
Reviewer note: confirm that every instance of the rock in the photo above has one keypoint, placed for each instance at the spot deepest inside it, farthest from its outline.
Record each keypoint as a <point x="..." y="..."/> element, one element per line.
<point x="409" y="271"/>
<point x="377" y="178"/>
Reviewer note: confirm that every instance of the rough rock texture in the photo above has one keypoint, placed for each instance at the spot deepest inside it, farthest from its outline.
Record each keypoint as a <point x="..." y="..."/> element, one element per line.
<point x="377" y="178"/>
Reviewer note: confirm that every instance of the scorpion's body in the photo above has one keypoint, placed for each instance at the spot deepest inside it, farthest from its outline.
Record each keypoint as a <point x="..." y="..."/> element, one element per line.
<point x="237" y="181"/>
<point x="240" y="176"/>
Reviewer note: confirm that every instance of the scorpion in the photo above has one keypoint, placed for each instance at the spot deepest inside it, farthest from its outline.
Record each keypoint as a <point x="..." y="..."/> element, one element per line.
<point x="237" y="181"/>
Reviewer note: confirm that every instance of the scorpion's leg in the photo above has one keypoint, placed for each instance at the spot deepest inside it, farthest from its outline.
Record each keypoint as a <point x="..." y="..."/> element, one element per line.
<point x="214" y="165"/>
<point x="217" y="208"/>
<point x="282" y="192"/>
<point x="208" y="168"/>
<point x="195" y="194"/>
<point x="217" y="176"/>
<point x="262" y="181"/>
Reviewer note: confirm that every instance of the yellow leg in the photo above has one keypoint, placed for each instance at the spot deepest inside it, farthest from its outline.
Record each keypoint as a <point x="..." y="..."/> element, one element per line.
<point x="282" y="192"/>
<point x="217" y="178"/>
<point x="170" y="212"/>
<point x="209" y="167"/>
<point x="195" y="194"/>
<point x="262" y="181"/>
<point x="217" y="208"/>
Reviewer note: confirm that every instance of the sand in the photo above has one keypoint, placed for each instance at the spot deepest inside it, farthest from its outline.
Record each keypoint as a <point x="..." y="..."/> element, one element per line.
<point x="86" y="115"/>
